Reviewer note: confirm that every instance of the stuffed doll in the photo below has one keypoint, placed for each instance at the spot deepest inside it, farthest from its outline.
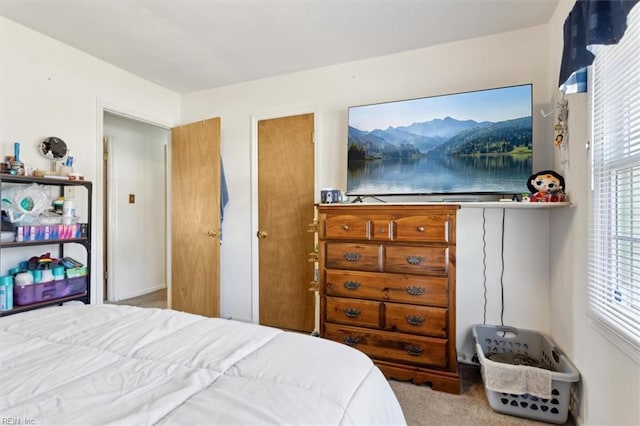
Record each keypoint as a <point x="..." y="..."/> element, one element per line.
<point x="545" y="186"/>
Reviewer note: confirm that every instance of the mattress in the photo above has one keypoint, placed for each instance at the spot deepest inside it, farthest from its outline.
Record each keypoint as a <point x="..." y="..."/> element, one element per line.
<point x="110" y="364"/>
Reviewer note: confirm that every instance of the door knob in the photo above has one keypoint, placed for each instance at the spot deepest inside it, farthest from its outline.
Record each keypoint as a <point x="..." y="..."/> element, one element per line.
<point x="213" y="234"/>
<point x="261" y="234"/>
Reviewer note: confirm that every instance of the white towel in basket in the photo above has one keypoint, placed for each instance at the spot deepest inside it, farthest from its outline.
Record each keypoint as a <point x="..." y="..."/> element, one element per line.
<point x="517" y="379"/>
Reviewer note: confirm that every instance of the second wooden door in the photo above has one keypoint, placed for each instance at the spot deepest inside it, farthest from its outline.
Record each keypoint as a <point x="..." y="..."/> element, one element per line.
<point x="286" y="197"/>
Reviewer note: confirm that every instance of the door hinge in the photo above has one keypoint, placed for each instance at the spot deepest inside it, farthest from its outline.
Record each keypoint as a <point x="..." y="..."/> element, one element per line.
<point x="105" y="148"/>
<point x="313" y="137"/>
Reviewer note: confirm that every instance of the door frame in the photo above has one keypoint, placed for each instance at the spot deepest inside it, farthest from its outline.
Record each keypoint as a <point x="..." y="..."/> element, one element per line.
<point x="97" y="249"/>
<point x="255" y="118"/>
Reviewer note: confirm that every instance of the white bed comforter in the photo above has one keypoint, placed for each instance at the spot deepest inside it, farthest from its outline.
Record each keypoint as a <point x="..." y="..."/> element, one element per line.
<point x="106" y="364"/>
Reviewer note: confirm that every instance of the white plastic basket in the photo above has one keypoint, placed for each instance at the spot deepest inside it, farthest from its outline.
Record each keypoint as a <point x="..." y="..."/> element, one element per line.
<point x="500" y="339"/>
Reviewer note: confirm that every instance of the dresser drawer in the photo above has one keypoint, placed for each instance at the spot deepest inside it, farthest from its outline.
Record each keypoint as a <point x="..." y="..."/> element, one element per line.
<point x="354" y="312"/>
<point x="428" y="228"/>
<point x="381" y="230"/>
<point x="416" y="259"/>
<point x="422" y="320"/>
<point x="347" y="227"/>
<point x="362" y="257"/>
<point x="415" y="289"/>
<point x="384" y="345"/>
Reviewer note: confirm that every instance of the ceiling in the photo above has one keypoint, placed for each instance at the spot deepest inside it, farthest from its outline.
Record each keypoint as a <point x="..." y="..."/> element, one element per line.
<point x="194" y="45"/>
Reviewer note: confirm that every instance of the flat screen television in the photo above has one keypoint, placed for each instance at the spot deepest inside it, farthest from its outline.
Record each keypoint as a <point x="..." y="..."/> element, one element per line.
<point x="472" y="143"/>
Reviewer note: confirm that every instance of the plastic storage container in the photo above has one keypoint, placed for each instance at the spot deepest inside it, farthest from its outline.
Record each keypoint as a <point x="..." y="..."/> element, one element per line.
<point x="23" y="294"/>
<point x="71" y="286"/>
<point x="491" y="339"/>
<point x="76" y="272"/>
<point x="44" y="291"/>
<point x="6" y="293"/>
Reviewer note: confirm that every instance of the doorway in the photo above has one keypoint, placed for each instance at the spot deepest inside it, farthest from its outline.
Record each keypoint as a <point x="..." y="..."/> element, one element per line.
<point x="286" y="177"/>
<point x="134" y="208"/>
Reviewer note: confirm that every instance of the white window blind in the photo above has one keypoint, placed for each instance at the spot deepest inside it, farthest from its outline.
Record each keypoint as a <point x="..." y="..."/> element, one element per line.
<point x="614" y="225"/>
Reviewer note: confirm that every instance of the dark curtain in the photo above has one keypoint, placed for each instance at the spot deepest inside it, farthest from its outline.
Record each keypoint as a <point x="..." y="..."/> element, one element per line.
<point x="595" y="22"/>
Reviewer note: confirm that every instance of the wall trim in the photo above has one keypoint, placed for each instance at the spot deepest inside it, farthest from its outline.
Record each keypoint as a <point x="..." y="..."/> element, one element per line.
<point x="97" y="249"/>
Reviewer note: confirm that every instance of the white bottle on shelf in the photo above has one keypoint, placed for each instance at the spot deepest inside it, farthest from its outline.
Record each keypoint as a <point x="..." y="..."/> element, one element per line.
<point x="68" y="208"/>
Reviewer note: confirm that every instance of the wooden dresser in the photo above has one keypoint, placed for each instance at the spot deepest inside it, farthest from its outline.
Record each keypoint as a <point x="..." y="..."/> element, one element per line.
<point x="387" y="282"/>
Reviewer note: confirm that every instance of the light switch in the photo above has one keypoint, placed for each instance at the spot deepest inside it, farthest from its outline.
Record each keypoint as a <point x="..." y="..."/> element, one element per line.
<point x="132" y="198"/>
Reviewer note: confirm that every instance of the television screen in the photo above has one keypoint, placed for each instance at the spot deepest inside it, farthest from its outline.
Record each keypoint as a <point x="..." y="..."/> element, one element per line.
<point x="477" y="142"/>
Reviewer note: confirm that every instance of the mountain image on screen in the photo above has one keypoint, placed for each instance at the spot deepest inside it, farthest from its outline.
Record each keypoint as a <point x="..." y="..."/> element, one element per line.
<point x="442" y="155"/>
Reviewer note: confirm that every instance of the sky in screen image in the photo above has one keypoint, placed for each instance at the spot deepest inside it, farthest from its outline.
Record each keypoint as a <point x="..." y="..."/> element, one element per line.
<point x="484" y="105"/>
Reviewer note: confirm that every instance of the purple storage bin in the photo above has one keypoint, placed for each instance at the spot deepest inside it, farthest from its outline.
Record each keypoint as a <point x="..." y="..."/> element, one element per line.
<point x="61" y="286"/>
<point x="44" y="291"/>
<point x="24" y="294"/>
<point x="71" y="286"/>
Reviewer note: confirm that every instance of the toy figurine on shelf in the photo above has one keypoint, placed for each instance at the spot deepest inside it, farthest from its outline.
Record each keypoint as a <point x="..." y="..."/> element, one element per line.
<point x="546" y="186"/>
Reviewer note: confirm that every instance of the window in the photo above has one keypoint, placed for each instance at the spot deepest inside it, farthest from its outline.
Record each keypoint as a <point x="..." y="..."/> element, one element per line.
<point x="614" y="225"/>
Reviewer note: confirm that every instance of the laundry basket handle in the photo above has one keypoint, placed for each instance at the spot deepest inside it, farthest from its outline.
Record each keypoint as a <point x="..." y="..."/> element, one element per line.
<point x="513" y="332"/>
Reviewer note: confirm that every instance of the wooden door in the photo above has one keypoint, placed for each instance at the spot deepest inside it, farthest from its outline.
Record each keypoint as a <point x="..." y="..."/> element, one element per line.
<point x="285" y="198"/>
<point x="195" y="217"/>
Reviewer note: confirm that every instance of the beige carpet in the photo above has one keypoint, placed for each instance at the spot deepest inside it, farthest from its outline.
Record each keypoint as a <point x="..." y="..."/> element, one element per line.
<point x="424" y="406"/>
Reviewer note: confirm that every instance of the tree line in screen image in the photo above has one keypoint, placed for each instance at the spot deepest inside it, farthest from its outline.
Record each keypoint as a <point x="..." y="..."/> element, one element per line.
<point x="441" y="138"/>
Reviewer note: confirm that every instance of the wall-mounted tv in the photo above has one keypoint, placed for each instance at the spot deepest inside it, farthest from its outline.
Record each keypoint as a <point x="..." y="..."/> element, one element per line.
<point x="477" y="142"/>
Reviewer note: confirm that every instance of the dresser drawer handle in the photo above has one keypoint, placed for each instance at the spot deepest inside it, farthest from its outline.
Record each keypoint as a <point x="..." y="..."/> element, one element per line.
<point x="414" y="320"/>
<point x="415" y="291"/>
<point x="351" y="341"/>
<point x="414" y="260"/>
<point x="420" y="228"/>
<point x="414" y="350"/>
<point x="352" y="257"/>
<point x="352" y="313"/>
<point x="345" y="227"/>
<point x="351" y="285"/>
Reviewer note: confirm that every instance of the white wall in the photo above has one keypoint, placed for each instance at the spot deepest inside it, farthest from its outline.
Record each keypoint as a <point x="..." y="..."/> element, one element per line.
<point x="610" y="383"/>
<point x="50" y="89"/>
<point x="502" y="60"/>
<point x="137" y="241"/>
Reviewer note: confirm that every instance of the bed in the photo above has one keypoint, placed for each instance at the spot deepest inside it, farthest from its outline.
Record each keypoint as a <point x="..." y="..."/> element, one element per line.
<point x="109" y="364"/>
